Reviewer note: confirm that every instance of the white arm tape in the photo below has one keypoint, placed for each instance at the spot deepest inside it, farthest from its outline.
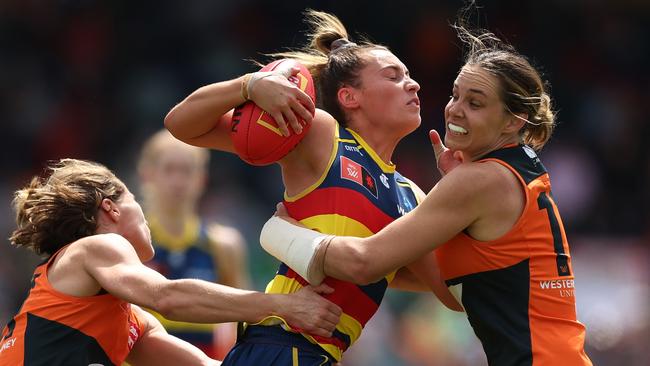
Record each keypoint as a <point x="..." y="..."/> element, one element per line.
<point x="293" y="245"/>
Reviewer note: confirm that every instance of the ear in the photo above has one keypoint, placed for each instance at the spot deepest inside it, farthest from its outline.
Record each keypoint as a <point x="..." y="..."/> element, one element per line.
<point x="515" y="122"/>
<point x="110" y="209"/>
<point x="348" y="97"/>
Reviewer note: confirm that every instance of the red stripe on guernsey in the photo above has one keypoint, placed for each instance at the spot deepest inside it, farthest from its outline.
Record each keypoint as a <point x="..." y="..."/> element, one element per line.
<point x="340" y="343"/>
<point x="336" y="200"/>
<point x="346" y="293"/>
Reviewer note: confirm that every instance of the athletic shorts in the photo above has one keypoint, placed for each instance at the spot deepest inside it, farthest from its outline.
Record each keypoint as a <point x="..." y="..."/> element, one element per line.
<point x="273" y="346"/>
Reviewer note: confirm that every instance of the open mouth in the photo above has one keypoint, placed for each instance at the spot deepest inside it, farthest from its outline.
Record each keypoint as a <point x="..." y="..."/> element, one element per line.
<point x="456" y="128"/>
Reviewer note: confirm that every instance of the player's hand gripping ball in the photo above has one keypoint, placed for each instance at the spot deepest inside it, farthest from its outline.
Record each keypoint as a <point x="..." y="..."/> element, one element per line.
<point x="255" y="134"/>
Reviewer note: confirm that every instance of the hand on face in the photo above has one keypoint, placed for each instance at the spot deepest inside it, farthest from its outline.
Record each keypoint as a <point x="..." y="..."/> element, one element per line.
<point x="446" y="159"/>
<point x="273" y="92"/>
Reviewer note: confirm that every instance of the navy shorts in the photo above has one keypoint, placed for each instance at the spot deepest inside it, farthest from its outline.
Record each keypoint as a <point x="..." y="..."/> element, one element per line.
<point x="273" y="346"/>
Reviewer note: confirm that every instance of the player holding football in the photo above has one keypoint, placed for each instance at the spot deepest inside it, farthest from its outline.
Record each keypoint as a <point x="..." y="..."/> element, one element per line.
<point x="338" y="180"/>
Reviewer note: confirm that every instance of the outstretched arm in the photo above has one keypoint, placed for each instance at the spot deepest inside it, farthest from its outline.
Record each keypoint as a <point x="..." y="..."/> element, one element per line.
<point x="114" y="264"/>
<point x="450" y="207"/>
<point x="447" y="210"/>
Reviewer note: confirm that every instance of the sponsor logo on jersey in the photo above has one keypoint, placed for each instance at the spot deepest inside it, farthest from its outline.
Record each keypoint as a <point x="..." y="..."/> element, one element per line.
<point x="565" y="288"/>
<point x="351" y="170"/>
<point x="134" y="333"/>
<point x="8" y="344"/>
<point x="353" y="149"/>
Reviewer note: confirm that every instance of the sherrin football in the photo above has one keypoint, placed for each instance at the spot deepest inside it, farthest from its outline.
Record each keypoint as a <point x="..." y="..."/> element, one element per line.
<point x="255" y="134"/>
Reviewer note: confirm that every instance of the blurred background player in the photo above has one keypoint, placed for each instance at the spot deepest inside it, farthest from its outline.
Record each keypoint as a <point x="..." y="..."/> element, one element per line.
<point x="173" y="177"/>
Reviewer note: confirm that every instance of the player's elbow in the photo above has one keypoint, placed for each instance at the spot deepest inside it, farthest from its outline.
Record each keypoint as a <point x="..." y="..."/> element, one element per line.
<point x="167" y="301"/>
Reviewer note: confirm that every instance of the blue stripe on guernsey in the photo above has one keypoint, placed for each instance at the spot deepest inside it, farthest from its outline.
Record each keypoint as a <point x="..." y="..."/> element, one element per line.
<point x="358" y="195"/>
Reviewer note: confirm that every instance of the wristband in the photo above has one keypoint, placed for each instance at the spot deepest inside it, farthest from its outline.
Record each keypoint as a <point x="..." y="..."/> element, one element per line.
<point x="295" y="246"/>
<point x="244" y="86"/>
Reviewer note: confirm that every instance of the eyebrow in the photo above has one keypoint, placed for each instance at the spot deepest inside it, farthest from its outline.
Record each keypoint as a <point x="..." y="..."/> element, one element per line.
<point x="396" y="68"/>
<point x="475" y="91"/>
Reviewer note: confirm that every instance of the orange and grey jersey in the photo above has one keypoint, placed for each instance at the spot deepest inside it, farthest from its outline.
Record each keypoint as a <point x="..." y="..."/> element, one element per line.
<point x="518" y="290"/>
<point x="55" y="329"/>
<point x="357" y="195"/>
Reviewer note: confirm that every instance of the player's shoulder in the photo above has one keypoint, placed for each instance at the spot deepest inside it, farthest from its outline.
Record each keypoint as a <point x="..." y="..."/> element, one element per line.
<point x="102" y="245"/>
<point x="478" y="181"/>
<point x="223" y="236"/>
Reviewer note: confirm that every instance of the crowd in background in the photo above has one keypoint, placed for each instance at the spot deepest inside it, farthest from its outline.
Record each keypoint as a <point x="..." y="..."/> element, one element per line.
<point x="92" y="79"/>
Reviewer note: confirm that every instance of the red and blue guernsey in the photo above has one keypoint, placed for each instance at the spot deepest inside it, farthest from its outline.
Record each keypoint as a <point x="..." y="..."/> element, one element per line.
<point x="357" y="196"/>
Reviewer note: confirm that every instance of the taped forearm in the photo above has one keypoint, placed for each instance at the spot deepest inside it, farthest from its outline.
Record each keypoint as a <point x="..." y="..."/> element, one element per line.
<point x="301" y="249"/>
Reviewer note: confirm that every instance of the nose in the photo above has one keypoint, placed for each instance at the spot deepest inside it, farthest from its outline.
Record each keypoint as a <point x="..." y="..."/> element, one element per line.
<point x="412" y="85"/>
<point x="453" y="108"/>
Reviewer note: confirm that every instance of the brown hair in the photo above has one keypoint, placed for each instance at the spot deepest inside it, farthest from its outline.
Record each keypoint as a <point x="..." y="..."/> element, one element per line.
<point x="62" y="207"/>
<point x="522" y="89"/>
<point x="331" y="58"/>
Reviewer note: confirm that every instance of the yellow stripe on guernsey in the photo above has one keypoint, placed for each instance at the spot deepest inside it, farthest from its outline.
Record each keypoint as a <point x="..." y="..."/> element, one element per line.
<point x="173" y="242"/>
<point x="387" y="168"/>
<point x="174" y="326"/>
<point x="294" y="356"/>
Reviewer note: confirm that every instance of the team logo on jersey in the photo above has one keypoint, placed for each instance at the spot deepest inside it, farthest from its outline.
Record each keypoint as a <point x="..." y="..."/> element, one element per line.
<point x="384" y="179"/>
<point x="351" y="170"/>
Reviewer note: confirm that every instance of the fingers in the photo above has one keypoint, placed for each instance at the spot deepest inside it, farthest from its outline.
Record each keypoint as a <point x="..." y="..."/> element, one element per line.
<point x="323" y="289"/>
<point x="306" y="102"/>
<point x="301" y="112"/>
<point x="282" y="125"/>
<point x="280" y="210"/>
<point x="290" y="117"/>
<point x="436" y="142"/>
<point x="325" y="323"/>
<point x="289" y="72"/>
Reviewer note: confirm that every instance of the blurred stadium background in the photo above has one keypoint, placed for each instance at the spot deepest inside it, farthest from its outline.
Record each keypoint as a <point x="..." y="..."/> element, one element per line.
<point x="91" y="79"/>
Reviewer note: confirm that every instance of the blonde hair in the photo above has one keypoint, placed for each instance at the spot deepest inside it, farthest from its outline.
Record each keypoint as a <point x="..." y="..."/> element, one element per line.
<point x="332" y="59"/>
<point x="522" y="89"/>
<point x="150" y="154"/>
<point x="62" y="207"/>
<point x="162" y="140"/>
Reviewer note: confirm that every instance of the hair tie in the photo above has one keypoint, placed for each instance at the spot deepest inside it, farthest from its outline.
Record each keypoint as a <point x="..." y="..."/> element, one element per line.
<point x="341" y="43"/>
